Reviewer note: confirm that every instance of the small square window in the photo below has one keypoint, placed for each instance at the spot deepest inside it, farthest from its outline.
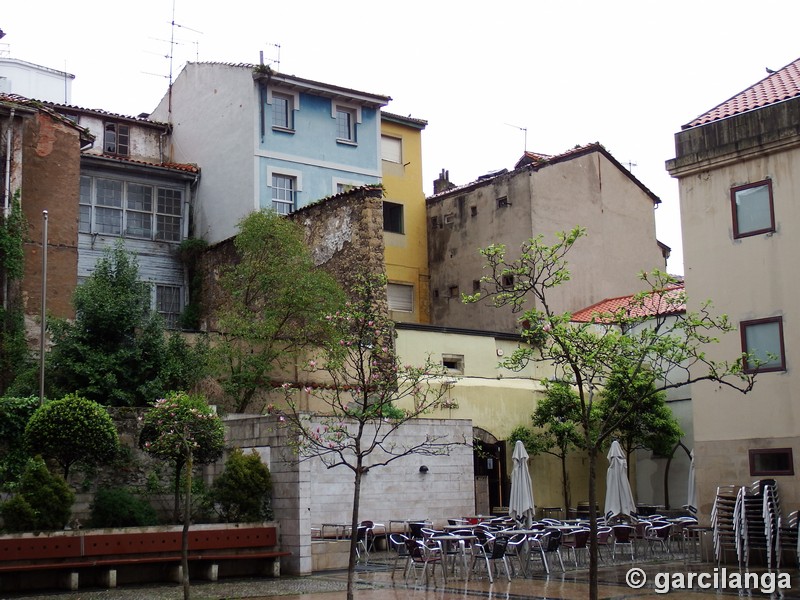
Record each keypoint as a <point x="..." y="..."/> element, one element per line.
<point x="752" y="209"/>
<point x="503" y="202"/>
<point x="771" y="461"/>
<point x="454" y="293"/>
<point x="393" y="217"/>
<point x="507" y="280"/>
<point x="473" y="211"/>
<point x="453" y="363"/>
<point x="762" y="339"/>
<point x="476" y="285"/>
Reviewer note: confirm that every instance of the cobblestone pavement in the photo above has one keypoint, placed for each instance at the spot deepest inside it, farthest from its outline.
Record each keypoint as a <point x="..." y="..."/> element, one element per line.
<point x="375" y="582"/>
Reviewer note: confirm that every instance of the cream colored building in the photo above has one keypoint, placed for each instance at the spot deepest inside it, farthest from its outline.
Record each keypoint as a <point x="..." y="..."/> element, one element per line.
<point x="737" y="167"/>
<point x="585" y="187"/>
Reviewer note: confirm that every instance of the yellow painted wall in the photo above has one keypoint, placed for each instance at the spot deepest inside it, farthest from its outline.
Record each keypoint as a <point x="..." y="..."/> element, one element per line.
<point x="406" y="254"/>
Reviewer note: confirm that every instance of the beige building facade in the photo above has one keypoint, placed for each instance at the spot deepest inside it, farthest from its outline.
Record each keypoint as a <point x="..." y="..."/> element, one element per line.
<point x="584" y="187"/>
<point x="737" y="170"/>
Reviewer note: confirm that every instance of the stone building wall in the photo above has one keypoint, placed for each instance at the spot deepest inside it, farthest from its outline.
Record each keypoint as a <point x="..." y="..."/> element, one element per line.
<point x="344" y="234"/>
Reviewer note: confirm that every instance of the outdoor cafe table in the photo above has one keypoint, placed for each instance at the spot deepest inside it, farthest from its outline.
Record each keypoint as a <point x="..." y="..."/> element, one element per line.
<point x="446" y="540"/>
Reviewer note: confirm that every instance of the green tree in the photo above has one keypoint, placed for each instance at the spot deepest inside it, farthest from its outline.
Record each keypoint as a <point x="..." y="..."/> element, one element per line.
<point x="646" y="341"/>
<point x="14" y="416"/>
<point x="243" y="491"/>
<point x="648" y="422"/>
<point x="179" y="427"/>
<point x="273" y="306"/>
<point x="362" y="411"/>
<point x="42" y="502"/>
<point x="70" y="430"/>
<point x="14" y="354"/>
<point x="557" y="417"/>
<point x="185" y="431"/>
<point x="115" y="351"/>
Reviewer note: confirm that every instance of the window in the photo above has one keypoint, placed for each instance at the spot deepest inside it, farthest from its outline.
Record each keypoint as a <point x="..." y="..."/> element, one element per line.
<point x="393" y="217"/>
<point x="473" y="211"/>
<point x="503" y="202"/>
<point x="116" y="139"/>
<point x="284" y="189"/>
<point x="168" y="304"/>
<point x="400" y="297"/>
<point x="476" y="285"/>
<point x="129" y="208"/>
<point x="345" y="124"/>
<point x="282" y="111"/>
<point x="453" y="291"/>
<point x="752" y="209"/>
<point x="453" y="363"/>
<point x="762" y="339"/>
<point x="771" y="461"/>
<point x="507" y="280"/>
<point x="391" y="149"/>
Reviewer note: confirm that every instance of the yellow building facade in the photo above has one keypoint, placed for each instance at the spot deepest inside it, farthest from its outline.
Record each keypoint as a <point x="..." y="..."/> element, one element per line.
<point x="404" y="218"/>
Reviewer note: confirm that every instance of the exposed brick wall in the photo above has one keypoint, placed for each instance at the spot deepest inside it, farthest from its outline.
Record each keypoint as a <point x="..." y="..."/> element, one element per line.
<point x="50" y="181"/>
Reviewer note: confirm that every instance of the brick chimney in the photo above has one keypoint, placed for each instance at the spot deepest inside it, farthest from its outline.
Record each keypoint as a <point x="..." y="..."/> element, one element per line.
<point x="442" y="184"/>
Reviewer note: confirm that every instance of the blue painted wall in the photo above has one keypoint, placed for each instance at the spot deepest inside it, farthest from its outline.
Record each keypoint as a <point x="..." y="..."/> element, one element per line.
<point x="312" y="150"/>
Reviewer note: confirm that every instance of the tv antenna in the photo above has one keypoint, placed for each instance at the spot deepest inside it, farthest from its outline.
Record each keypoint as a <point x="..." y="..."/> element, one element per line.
<point x="273" y="61"/>
<point x="524" y="130"/>
<point x="630" y="164"/>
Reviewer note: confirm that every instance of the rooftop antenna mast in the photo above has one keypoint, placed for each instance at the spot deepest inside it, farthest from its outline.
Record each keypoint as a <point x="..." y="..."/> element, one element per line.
<point x="275" y="61"/>
<point x="524" y="130"/>
<point x="172" y="43"/>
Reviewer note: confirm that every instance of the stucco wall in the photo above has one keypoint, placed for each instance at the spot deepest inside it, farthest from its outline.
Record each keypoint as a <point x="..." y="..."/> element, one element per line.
<point x="588" y="190"/>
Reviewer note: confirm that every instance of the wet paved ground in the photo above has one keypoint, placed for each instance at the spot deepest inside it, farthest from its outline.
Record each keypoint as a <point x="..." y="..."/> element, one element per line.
<point x="375" y="582"/>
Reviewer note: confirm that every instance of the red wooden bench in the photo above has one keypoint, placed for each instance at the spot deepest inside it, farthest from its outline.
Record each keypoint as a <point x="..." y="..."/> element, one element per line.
<point x="95" y="550"/>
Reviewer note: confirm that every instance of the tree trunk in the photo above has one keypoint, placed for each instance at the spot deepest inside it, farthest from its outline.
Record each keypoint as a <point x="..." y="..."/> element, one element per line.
<point x="187" y="514"/>
<point x="176" y="504"/>
<point x="565" y="483"/>
<point x="351" y="563"/>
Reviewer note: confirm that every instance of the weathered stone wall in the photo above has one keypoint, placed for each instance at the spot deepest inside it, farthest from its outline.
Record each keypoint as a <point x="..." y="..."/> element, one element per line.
<point x="343" y="232"/>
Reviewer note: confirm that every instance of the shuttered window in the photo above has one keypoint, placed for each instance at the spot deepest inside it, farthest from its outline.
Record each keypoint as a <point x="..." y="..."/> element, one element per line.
<point x="401" y="297"/>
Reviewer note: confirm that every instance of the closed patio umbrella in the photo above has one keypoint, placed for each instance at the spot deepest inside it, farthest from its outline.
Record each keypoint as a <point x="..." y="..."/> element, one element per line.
<point x="691" y="501"/>
<point x="619" y="498"/>
<point x="520" y="502"/>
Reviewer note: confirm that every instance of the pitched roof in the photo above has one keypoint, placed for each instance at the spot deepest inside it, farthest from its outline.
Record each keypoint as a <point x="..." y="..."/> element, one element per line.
<point x="536" y="160"/>
<point x="778" y="86"/>
<point x="669" y="302"/>
<point x="172" y="166"/>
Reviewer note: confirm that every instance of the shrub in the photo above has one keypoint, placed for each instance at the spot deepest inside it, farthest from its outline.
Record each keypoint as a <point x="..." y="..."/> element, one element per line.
<point x="243" y="492"/>
<point x="43" y="501"/>
<point x="72" y="429"/>
<point x="118" y="507"/>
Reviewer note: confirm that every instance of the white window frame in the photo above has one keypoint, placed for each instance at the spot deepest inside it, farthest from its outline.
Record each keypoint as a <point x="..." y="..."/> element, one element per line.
<point x="96" y="218"/>
<point x="355" y="112"/>
<point x="294" y="105"/>
<point x="279" y="172"/>
<point x="392" y="149"/>
<point x="345" y="183"/>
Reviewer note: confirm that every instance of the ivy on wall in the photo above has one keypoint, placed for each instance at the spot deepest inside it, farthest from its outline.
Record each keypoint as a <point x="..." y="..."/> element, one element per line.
<point x="13" y="347"/>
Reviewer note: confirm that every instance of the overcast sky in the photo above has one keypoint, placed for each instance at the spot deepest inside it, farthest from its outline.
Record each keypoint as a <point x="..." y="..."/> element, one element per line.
<point x="625" y="74"/>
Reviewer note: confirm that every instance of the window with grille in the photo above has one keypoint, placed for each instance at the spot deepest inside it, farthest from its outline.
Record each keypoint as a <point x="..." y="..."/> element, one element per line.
<point x="116" y="139"/>
<point x="345" y="124"/>
<point x="168" y="304"/>
<point x="282" y="110"/>
<point x="283" y="193"/>
<point x="133" y="209"/>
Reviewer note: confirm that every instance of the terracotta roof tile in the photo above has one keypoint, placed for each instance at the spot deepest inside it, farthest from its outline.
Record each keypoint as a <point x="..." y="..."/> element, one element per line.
<point x="186" y="167"/>
<point x="669" y="302"/>
<point x="781" y="85"/>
